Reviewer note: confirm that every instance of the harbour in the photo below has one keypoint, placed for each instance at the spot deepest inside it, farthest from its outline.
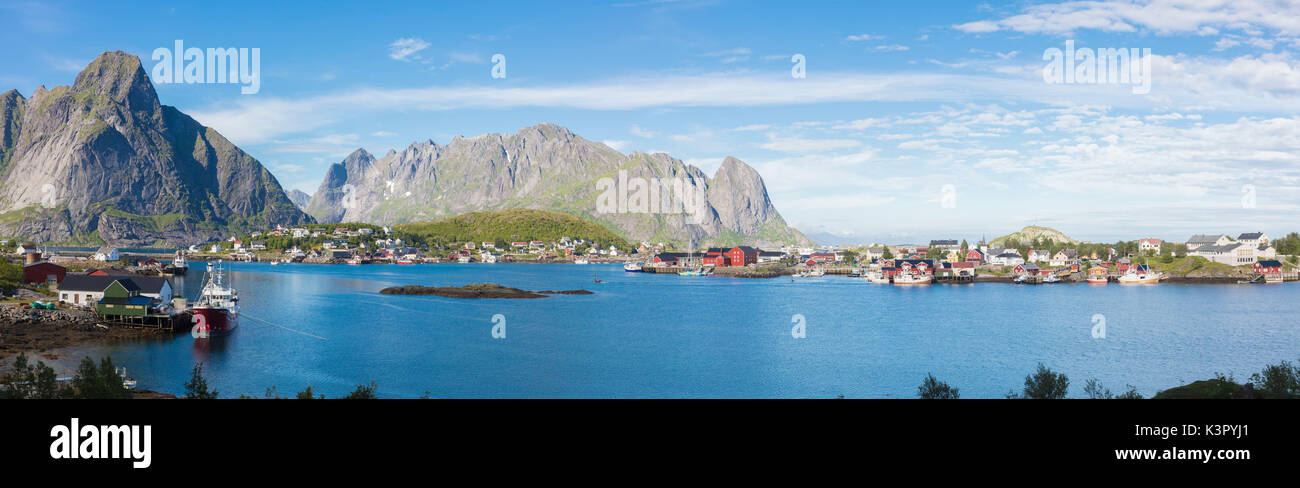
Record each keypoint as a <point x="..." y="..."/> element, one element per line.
<point x="652" y="334"/>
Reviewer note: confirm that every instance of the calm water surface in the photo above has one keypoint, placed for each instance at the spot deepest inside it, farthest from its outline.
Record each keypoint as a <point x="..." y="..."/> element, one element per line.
<point x="646" y="335"/>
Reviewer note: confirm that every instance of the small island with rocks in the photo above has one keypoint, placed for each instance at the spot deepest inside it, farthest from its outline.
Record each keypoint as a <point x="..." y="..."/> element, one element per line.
<point x="476" y="290"/>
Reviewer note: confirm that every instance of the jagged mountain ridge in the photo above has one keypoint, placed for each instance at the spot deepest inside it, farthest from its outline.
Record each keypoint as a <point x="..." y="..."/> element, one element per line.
<point x="546" y="167"/>
<point x="103" y="161"/>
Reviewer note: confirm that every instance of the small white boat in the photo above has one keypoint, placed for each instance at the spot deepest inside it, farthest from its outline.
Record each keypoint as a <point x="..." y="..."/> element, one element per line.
<point x="1051" y="278"/>
<point x="877" y="277"/>
<point x="462" y="259"/>
<point x="127" y="381"/>
<point x="354" y="261"/>
<point x="692" y="272"/>
<point x="275" y="263"/>
<point x="632" y="267"/>
<point x="581" y="261"/>
<point x="911" y="279"/>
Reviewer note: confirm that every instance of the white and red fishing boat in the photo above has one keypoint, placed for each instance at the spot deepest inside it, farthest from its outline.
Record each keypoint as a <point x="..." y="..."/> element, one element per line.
<point x="1099" y="275"/>
<point x="217" y="308"/>
<point x="1140" y="275"/>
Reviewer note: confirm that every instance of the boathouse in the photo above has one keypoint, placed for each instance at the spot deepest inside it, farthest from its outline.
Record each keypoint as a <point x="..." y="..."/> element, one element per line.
<point x="84" y="289"/>
<point x="122" y="298"/>
<point x="1268" y="266"/>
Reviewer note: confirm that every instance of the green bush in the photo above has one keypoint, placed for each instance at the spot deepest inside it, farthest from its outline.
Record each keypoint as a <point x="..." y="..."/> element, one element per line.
<point x="933" y="389"/>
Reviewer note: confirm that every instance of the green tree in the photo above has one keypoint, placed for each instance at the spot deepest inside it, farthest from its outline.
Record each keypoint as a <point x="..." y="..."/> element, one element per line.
<point x="1046" y="385"/>
<point x="197" y="386"/>
<point x="308" y="394"/>
<point x="99" y="382"/>
<point x="887" y="254"/>
<point x="1280" y="380"/>
<point x="933" y="389"/>
<point x="30" y="381"/>
<point x="363" y="392"/>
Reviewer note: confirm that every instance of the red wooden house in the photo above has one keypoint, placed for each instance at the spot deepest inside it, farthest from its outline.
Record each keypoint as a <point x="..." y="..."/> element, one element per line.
<point x="974" y="256"/>
<point x="1268" y="266"/>
<point x="44" y="272"/>
<point x="1026" y="269"/>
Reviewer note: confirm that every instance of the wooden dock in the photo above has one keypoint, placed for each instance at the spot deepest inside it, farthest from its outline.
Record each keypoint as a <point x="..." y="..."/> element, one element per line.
<point x="174" y="321"/>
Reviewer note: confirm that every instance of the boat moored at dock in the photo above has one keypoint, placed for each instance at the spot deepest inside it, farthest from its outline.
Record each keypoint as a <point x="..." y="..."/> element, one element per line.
<point x="217" y="308"/>
<point x="1140" y="275"/>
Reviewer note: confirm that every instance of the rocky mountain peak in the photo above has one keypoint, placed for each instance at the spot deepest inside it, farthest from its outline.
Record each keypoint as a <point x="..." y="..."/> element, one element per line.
<point x="118" y="77"/>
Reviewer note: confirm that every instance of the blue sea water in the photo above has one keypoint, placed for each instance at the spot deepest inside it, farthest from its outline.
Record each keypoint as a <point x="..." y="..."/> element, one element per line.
<point x="648" y="335"/>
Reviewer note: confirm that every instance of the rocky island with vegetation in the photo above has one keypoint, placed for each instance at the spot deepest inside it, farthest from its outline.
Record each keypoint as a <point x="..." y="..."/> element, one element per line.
<point x="476" y="290"/>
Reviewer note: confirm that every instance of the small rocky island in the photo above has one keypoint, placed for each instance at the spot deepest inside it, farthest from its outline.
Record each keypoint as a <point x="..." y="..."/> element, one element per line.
<point x="476" y="290"/>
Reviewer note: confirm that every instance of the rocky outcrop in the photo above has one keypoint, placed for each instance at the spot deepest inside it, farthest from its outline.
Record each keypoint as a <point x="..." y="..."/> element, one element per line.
<point x="103" y="160"/>
<point x="299" y="198"/>
<point x="549" y="167"/>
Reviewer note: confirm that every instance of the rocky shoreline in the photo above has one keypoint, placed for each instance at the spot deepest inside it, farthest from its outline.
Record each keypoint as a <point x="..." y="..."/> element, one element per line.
<point x="42" y="331"/>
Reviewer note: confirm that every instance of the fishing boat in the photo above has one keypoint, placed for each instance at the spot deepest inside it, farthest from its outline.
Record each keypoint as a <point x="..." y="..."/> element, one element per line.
<point x="912" y="279"/>
<point x="178" y="266"/>
<point x="581" y="261"/>
<point x="1140" y="275"/>
<point x="354" y="261"/>
<point x="1099" y="275"/>
<point x="1021" y="279"/>
<point x="405" y="261"/>
<point x="1051" y="278"/>
<point x="217" y="309"/>
<point x="275" y="263"/>
<point x="691" y="272"/>
<point x="632" y="267"/>
<point x="877" y="277"/>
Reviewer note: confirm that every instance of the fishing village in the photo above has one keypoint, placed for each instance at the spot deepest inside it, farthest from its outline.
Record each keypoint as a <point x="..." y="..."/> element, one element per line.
<point x="121" y="287"/>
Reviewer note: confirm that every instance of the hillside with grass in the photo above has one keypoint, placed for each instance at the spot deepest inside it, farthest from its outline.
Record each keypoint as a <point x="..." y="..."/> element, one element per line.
<point x="1032" y="233"/>
<point x="513" y="225"/>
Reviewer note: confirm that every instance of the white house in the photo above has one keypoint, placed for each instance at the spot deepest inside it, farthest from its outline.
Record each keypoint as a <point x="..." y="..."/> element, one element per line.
<point x="1253" y="239"/>
<point x="1039" y="255"/>
<point x="86" y="290"/>
<point x="1234" y="254"/>
<point x="1149" y="244"/>
<point x="1198" y="240"/>
<point x="1065" y="257"/>
<point x="107" y="254"/>
<point x="1007" y="259"/>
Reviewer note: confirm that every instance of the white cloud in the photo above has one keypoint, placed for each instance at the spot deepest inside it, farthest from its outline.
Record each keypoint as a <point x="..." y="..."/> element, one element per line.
<point x="1160" y="16"/>
<point x="636" y="130"/>
<point x="802" y="145"/>
<point x="890" y="48"/>
<point x="863" y="37"/>
<point x="407" y="47"/>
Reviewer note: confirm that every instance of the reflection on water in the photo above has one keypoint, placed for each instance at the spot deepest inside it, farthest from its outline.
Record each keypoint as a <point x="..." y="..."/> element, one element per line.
<point x="647" y="335"/>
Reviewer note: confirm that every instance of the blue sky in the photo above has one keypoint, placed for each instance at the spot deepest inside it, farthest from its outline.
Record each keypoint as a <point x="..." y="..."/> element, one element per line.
<point x="916" y="120"/>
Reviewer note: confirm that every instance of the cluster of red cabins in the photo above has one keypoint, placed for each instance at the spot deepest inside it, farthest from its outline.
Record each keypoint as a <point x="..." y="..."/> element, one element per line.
<point x="714" y="256"/>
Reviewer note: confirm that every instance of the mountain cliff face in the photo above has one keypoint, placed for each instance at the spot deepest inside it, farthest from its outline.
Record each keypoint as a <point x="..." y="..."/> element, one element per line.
<point x="102" y="160"/>
<point x="299" y="198"/>
<point x="548" y="167"/>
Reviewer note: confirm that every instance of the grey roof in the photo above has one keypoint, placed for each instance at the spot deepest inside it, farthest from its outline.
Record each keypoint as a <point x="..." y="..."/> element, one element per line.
<point x="1226" y="248"/>
<point x="1250" y="236"/>
<point x="1204" y="239"/>
<point x="83" y="282"/>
